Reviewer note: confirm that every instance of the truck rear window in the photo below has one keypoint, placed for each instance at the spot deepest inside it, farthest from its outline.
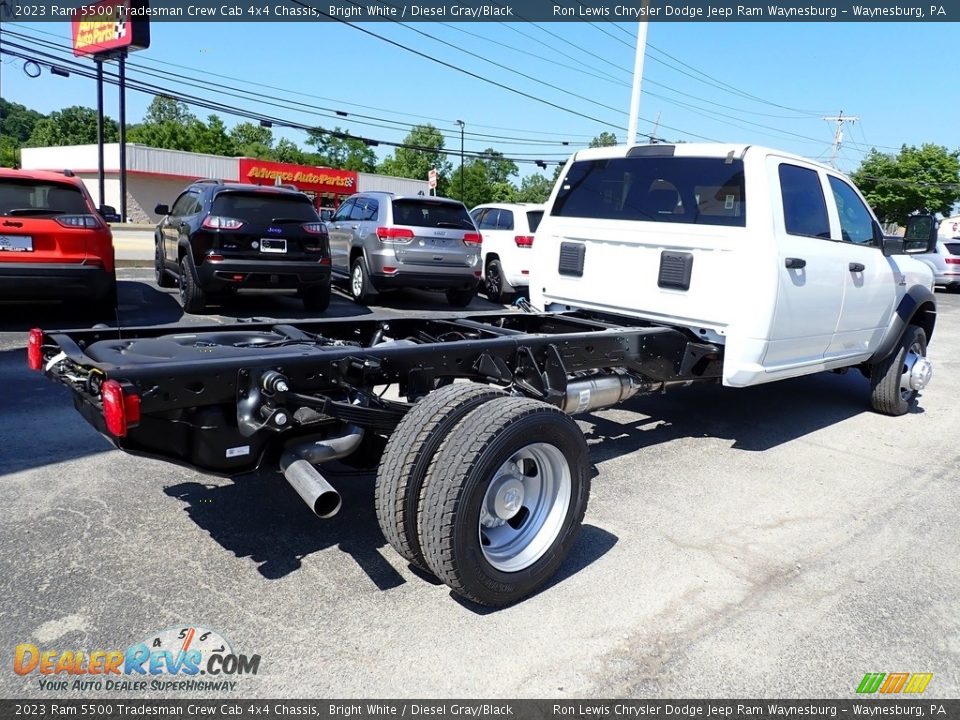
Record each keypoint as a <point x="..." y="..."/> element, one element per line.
<point x="262" y="208"/>
<point x="33" y="197"/>
<point x="423" y="213"/>
<point x="701" y="191"/>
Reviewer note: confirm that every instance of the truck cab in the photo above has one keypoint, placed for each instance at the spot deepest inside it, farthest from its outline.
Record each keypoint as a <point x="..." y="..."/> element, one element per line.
<point x="776" y="258"/>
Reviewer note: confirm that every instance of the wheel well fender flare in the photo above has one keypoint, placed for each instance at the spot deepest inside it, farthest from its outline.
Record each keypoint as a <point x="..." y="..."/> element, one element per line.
<point x="917" y="307"/>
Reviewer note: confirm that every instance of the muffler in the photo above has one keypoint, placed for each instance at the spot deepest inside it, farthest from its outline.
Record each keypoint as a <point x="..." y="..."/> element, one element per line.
<point x="297" y="464"/>
<point x="599" y="391"/>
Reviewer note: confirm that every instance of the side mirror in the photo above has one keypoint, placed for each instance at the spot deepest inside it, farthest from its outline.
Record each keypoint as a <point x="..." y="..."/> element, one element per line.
<point x="162" y="209"/>
<point x="891" y="245"/>
<point x="921" y="235"/>
<point x="110" y="214"/>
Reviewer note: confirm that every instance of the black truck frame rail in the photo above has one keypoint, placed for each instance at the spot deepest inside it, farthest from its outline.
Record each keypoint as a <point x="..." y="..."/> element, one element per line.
<point x="219" y="398"/>
<point x="482" y="483"/>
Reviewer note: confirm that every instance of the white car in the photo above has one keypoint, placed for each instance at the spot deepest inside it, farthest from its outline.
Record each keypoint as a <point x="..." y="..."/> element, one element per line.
<point x="508" y="230"/>
<point x="945" y="262"/>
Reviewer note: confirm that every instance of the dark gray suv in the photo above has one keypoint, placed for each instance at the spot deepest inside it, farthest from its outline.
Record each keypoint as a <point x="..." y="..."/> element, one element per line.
<point x="382" y="241"/>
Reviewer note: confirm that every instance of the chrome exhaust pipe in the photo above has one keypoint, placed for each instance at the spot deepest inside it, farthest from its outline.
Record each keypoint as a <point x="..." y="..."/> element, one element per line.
<point x="297" y="464"/>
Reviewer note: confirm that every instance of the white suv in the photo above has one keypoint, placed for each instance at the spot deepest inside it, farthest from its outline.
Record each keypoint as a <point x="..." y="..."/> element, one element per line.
<point x="508" y="230"/>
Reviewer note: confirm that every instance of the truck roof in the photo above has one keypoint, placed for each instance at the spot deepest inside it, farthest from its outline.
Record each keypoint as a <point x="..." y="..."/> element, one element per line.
<point x="692" y="150"/>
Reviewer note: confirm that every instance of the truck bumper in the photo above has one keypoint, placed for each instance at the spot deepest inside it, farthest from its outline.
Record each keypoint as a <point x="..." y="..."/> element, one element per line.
<point x="277" y="275"/>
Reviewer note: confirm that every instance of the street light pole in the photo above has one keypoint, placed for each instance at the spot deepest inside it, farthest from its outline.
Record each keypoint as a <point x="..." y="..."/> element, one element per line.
<point x="462" y="125"/>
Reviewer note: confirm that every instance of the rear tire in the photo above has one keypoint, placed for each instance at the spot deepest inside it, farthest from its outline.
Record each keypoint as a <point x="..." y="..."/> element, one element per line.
<point x="460" y="298"/>
<point x="407" y="457"/>
<point x="361" y="289"/>
<point x="890" y="380"/>
<point x="503" y="500"/>
<point x="192" y="296"/>
<point x="159" y="269"/>
<point x="316" y="298"/>
<point x="496" y="287"/>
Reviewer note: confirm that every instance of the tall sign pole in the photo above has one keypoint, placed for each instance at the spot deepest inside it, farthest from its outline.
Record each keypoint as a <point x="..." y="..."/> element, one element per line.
<point x="100" y="183"/>
<point x="123" y="135"/>
<point x="637" y="79"/>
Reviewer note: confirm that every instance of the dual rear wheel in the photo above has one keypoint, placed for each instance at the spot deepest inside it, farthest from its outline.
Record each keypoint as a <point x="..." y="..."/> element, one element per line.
<point x="484" y="490"/>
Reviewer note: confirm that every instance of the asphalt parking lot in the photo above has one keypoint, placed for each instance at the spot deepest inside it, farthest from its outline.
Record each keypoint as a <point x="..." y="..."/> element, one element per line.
<point x="779" y="541"/>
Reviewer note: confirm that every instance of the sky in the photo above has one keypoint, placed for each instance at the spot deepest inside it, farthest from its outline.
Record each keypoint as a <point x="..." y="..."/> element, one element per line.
<point x="760" y="83"/>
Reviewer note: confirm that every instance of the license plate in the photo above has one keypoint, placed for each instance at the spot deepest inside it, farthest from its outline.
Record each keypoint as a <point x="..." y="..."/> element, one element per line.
<point x="273" y="245"/>
<point x="16" y="243"/>
<point x="440" y="242"/>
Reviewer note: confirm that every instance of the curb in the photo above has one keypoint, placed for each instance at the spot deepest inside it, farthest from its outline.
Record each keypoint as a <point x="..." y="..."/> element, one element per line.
<point x="133" y="263"/>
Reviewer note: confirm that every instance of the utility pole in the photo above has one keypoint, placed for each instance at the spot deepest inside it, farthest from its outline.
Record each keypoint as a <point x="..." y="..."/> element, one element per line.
<point x="838" y="134"/>
<point x="462" y="125"/>
<point x="637" y="79"/>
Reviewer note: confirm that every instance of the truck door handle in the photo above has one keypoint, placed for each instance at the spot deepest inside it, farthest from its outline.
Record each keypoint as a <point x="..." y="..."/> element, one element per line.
<point x="857" y="267"/>
<point x="795" y="263"/>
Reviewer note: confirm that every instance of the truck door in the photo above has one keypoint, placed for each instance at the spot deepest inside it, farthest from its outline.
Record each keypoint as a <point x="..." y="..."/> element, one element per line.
<point x="869" y="282"/>
<point x="810" y="288"/>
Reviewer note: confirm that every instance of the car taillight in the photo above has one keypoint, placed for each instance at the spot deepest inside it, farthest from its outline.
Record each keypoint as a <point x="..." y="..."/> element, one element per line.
<point x="317" y="228"/>
<point x="79" y="221"/>
<point x="952" y="261"/>
<point x="524" y="240"/>
<point x="35" y="349"/>
<point x="472" y="238"/>
<point x="397" y="235"/>
<point x="120" y="410"/>
<point x="325" y="260"/>
<point x="219" y="222"/>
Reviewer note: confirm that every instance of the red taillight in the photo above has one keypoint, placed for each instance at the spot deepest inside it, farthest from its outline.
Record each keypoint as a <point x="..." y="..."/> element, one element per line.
<point x="385" y="234"/>
<point x="79" y="221"/>
<point x="120" y="410"/>
<point x="524" y="240"/>
<point x="35" y="349"/>
<point x="472" y="238"/>
<point x="389" y="269"/>
<point x="218" y="222"/>
<point x="325" y="261"/>
<point x="952" y="261"/>
<point x="317" y="228"/>
<point x="213" y="257"/>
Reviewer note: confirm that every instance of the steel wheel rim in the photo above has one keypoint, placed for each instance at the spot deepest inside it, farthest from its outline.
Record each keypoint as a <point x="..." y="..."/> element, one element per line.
<point x="914" y="355"/>
<point x="356" y="280"/>
<point x="524" y="507"/>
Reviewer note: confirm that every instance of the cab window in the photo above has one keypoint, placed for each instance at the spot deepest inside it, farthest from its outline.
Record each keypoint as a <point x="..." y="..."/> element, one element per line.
<point x="856" y="223"/>
<point x="804" y="208"/>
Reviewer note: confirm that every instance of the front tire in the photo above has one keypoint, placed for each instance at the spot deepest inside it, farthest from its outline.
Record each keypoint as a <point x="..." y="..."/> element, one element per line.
<point x="896" y="380"/>
<point x="361" y="289"/>
<point x="407" y="457"/>
<point x="192" y="296"/>
<point x="503" y="500"/>
<point x="159" y="270"/>
<point x="496" y="287"/>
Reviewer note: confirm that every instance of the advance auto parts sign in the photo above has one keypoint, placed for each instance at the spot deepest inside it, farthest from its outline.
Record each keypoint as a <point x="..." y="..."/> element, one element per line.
<point x="305" y="177"/>
<point x="109" y="26"/>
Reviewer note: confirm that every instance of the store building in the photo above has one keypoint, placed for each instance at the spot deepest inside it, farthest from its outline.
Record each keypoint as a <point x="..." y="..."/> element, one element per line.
<point x="158" y="176"/>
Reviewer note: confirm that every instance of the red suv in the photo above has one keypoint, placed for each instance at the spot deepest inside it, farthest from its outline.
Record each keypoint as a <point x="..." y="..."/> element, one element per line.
<point x="54" y="244"/>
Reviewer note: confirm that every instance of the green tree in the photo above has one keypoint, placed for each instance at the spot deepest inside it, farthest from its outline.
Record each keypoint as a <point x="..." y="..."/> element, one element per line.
<point x="337" y="149"/>
<point x="604" y="139"/>
<point x="535" y="189"/>
<point x="17" y="121"/>
<point x="425" y="152"/>
<point x="252" y="140"/>
<point x="74" y="125"/>
<point x="211" y="137"/>
<point x="9" y="152"/>
<point x="164" y="109"/>
<point x="287" y="151"/>
<point x="924" y="179"/>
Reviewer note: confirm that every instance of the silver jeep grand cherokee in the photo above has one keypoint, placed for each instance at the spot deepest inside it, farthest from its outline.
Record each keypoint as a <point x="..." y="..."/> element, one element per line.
<point x="384" y="241"/>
